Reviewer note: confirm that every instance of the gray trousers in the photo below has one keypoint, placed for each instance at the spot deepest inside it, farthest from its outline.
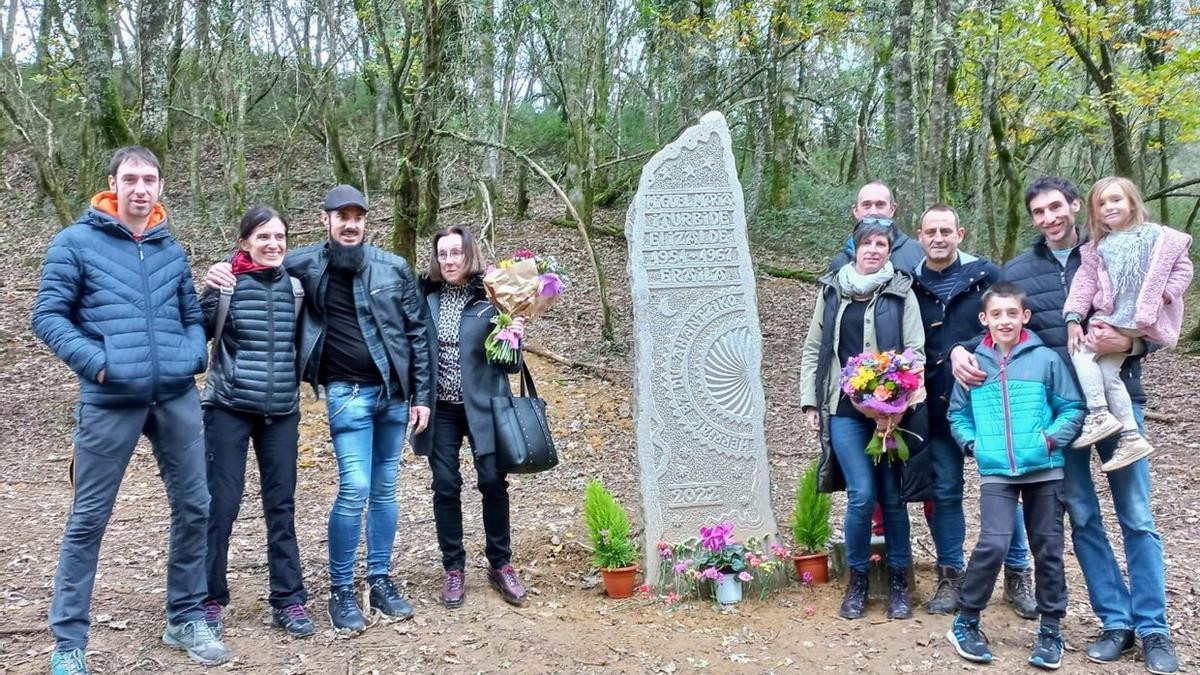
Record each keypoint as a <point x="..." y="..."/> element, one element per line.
<point x="104" y="441"/>
<point x="1044" y="506"/>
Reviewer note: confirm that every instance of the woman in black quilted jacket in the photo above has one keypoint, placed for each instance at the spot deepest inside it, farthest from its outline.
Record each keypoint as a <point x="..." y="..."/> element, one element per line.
<point x="252" y="392"/>
<point x="466" y="382"/>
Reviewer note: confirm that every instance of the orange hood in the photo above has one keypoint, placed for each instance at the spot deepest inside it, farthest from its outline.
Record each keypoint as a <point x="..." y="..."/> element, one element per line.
<point x="107" y="202"/>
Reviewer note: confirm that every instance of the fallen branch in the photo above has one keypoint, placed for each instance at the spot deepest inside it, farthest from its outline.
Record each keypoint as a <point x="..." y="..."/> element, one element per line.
<point x="607" y="230"/>
<point x="788" y="272"/>
<point x="603" y="372"/>
<point x="1158" y="417"/>
<point x="21" y="630"/>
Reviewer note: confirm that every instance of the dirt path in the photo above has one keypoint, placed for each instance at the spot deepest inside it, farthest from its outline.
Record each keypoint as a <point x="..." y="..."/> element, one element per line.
<point x="567" y="626"/>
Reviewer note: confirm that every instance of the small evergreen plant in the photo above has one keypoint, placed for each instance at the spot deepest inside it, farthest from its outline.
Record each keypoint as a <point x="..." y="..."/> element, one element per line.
<point x="608" y="528"/>
<point x="810" y="519"/>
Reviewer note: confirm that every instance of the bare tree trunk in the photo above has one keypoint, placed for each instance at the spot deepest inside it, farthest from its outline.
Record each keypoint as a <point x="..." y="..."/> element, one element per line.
<point x="154" y="46"/>
<point x="46" y="179"/>
<point x="105" y="108"/>
<point x="903" y="151"/>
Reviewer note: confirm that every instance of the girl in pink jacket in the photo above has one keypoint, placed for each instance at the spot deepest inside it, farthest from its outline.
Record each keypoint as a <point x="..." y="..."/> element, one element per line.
<point x="1132" y="276"/>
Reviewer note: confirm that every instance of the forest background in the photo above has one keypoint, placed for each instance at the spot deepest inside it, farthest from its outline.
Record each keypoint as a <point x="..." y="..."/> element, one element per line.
<point x="431" y="105"/>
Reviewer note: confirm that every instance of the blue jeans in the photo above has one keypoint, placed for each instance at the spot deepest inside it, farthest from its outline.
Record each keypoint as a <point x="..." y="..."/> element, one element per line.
<point x="1142" y="604"/>
<point x="948" y="524"/>
<point x="866" y="484"/>
<point x="368" y="437"/>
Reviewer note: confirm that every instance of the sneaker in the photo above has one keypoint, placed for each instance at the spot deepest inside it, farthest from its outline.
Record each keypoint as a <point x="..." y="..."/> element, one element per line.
<point x="945" y="596"/>
<point x="1159" y="655"/>
<point x="1097" y="427"/>
<point x="454" y="590"/>
<point x="854" y="604"/>
<point x="968" y="640"/>
<point x="898" y="604"/>
<point x="71" y="662"/>
<point x="294" y="620"/>
<point x="212" y="616"/>
<point x="385" y="598"/>
<point x="195" y="636"/>
<point x="1110" y="645"/>
<point x="1130" y="448"/>
<point x="1018" y="592"/>
<point x="506" y="581"/>
<point x="1048" y="649"/>
<point x="344" y="613"/>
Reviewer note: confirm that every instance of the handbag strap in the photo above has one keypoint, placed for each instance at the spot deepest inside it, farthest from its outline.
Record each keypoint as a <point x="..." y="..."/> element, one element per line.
<point x="526" y="377"/>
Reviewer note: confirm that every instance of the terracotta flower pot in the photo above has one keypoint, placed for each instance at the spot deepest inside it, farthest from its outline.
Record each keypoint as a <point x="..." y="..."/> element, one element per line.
<point x="618" y="581"/>
<point x="816" y="564"/>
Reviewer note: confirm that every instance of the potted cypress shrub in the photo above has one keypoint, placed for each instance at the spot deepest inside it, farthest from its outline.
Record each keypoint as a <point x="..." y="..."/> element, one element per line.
<point x="614" y="551"/>
<point x="811" y="529"/>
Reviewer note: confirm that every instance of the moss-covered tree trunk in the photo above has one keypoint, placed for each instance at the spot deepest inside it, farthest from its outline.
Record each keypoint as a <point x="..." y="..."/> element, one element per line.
<point x="154" y="48"/>
<point x="105" y="108"/>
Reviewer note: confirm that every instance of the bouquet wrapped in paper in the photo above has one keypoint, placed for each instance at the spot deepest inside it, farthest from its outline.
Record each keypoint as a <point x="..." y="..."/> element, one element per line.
<point x="524" y="285"/>
<point x="883" y="385"/>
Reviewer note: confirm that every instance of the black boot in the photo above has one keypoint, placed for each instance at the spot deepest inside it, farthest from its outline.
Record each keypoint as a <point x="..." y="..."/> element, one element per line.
<point x="945" y="597"/>
<point x="898" y="607"/>
<point x="854" y="605"/>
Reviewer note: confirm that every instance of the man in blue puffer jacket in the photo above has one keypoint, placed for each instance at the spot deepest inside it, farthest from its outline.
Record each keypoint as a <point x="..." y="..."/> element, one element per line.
<point x="1016" y="424"/>
<point x="117" y="303"/>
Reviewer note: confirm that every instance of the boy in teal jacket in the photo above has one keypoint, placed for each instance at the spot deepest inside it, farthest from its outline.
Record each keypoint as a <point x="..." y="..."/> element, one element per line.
<point x="1016" y="424"/>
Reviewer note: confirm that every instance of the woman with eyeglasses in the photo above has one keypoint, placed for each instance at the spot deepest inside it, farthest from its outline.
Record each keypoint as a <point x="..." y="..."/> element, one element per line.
<point x="466" y="382"/>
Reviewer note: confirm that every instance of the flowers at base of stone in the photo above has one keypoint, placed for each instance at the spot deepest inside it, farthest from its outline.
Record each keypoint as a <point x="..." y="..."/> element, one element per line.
<point x="523" y="285"/>
<point x="693" y="568"/>
<point x="883" y="385"/>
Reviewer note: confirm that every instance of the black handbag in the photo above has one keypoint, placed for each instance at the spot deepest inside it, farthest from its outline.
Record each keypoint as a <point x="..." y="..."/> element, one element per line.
<point x="523" y="442"/>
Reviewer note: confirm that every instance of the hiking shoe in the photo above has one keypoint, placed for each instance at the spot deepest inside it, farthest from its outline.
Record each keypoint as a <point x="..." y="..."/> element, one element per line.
<point x="1110" y="645"/>
<point x="945" y="596"/>
<point x="854" y="604"/>
<point x="1130" y="448"/>
<point x="506" y="581"/>
<point x="1096" y="427"/>
<point x="898" y="604"/>
<point x="454" y="589"/>
<point x="1159" y="655"/>
<point x="1018" y="592"/>
<point x="968" y="640"/>
<point x="197" y="638"/>
<point x="385" y="598"/>
<point x="71" y="662"/>
<point x="212" y="617"/>
<point x="294" y="620"/>
<point x="1048" y="649"/>
<point x="344" y="613"/>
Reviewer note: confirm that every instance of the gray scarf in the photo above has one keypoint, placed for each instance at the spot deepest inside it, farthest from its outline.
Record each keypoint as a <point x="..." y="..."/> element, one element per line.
<point x="854" y="284"/>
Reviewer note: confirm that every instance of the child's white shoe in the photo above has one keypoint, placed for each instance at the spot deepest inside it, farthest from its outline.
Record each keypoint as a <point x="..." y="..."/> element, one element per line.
<point x="1097" y="427"/>
<point x="1130" y="449"/>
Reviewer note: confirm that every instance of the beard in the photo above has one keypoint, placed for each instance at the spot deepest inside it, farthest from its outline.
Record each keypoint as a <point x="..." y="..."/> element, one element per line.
<point x="343" y="258"/>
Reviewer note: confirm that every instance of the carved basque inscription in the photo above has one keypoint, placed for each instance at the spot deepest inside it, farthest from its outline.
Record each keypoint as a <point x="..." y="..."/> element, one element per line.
<point x="698" y="391"/>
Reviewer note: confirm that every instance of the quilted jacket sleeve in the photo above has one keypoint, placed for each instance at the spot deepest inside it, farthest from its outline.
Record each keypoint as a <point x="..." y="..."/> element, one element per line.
<point x="192" y="316"/>
<point x="962" y="418"/>
<point x="1066" y="402"/>
<point x="53" y="312"/>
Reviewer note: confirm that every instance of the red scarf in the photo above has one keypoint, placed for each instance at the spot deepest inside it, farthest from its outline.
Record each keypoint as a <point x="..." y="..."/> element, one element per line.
<point x="243" y="264"/>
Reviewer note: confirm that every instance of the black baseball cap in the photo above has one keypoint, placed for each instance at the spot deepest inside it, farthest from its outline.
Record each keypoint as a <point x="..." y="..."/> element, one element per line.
<point x="342" y="196"/>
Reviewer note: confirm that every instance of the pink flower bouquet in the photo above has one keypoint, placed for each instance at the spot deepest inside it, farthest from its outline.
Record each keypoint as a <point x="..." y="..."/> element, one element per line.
<point x="524" y="285"/>
<point x="883" y="385"/>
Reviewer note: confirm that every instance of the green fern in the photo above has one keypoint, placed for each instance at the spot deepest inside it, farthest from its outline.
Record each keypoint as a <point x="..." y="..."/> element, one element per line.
<point x="810" y="519"/>
<point x="608" y="528"/>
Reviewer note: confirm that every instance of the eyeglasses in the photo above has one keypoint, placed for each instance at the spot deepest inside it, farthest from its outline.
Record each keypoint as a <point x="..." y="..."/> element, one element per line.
<point x="450" y="255"/>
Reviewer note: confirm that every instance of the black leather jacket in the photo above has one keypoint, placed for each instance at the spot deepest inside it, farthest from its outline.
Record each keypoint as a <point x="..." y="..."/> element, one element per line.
<point x="393" y="303"/>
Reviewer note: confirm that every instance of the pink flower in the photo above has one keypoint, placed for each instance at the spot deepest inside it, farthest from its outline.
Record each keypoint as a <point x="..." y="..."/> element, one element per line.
<point x="506" y="335"/>
<point x="711" y="573"/>
<point x="644" y="589"/>
<point x="716" y="536"/>
<point x="523" y="254"/>
<point x="806" y="579"/>
<point x="809" y="611"/>
<point x="778" y="551"/>
<point x="671" y="598"/>
<point x="680" y="567"/>
<point x="754" y="562"/>
<point x="744" y="576"/>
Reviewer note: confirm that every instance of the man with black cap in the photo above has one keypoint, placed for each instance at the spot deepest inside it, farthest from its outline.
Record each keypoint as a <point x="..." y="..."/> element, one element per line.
<point x="362" y="337"/>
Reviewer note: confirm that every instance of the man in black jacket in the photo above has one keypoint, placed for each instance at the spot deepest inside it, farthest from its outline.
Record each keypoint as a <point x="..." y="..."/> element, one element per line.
<point x="363" y="337"/>
<point x="874" y="201"/>
<point x="1139" y="608"/>
<point x="949" y="285"/>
